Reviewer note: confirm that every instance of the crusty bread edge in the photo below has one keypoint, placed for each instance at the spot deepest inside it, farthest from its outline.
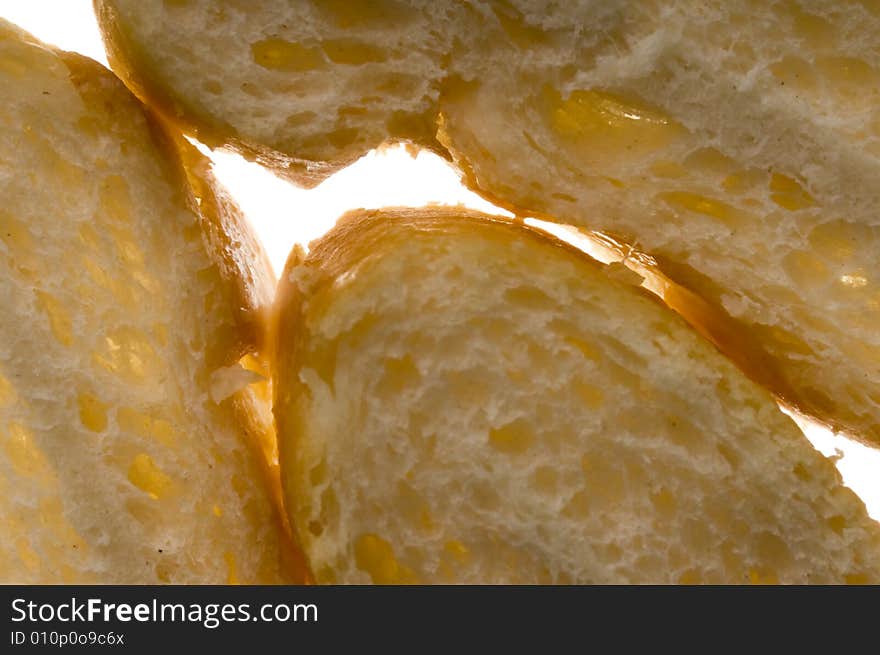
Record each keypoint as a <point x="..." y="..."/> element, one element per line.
<point x="227" y="236"/>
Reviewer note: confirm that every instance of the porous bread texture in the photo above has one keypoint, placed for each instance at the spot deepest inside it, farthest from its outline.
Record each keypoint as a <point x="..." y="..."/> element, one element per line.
<point x="283" y="82"/>
<point x="462" y="399"/>
<point x="127" y="283"/>
<point x="736" y="143"/>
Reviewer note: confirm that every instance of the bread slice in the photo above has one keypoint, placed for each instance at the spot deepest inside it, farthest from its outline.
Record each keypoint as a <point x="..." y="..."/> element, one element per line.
<point x="463" y="399"/>
<point x="131" y="446"/>
<point x="736" y="143"/>
<point x="268" y="80"/>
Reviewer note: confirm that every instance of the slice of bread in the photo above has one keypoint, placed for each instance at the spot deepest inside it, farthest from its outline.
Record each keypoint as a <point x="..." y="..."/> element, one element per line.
<point x="304" y="87"/>
<point x="131" y="448"/>
<point x="737" y="143"/>
<point x="463" y="399"/>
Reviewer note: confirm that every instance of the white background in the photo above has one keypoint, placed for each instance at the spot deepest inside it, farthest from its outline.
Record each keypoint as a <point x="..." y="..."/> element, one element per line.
<point x="283" y="215"/>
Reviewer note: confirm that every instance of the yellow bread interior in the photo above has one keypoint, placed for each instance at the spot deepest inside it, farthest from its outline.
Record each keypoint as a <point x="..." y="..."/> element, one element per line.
<point x="462" y="399"/>
<point x="133" y="449"/>
<point x="736" y="143"/>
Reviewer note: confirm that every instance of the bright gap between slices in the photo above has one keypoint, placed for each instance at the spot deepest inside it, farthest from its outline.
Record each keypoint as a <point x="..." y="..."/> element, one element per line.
<point x="283" y="214"/>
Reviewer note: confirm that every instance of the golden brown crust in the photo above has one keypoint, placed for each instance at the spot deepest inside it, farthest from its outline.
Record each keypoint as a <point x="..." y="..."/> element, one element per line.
<point x="241" y="259"/>
<point x="286" y="329"/>
<point x="357" y="235"/>
<point x="249" y="410"/>
<point x="326" y="298"/>
<point x="249" y="286"/>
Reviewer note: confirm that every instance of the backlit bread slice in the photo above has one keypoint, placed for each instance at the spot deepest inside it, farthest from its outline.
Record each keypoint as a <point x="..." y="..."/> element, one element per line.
<point x="130" y="445"/>
<point x="305" y="87"/>
<point x="736" y="142"/>
<point x="463" y="399"/>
